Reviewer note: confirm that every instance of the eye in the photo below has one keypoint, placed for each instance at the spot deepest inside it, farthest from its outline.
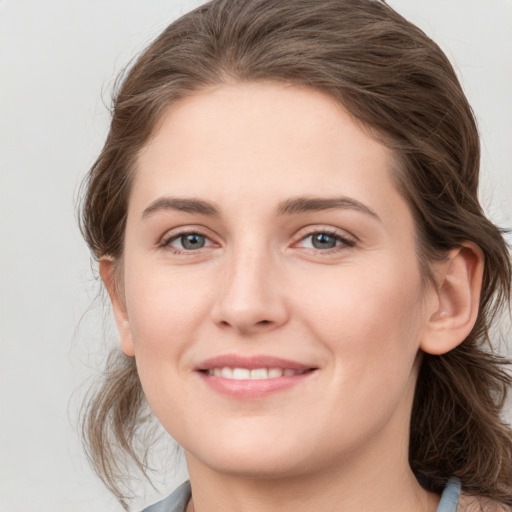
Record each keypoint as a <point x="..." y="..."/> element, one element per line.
<point x="325" y="241"/>
<point x="185" y="242"/>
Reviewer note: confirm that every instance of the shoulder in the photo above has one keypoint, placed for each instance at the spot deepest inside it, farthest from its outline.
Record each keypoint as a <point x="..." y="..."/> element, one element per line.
<point x="176" y="502"/>
<point x="454" y="499"/>
<point x="468" y="503"/>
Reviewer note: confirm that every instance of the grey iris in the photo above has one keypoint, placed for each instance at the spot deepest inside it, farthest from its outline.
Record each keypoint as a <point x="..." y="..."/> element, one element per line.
<point x="193" y="241"/>
<point x="323" y="241"/>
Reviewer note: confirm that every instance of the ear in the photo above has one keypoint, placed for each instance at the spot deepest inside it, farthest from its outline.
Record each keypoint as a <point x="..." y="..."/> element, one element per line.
<point x="454" y="310"/>
<point x="107" y="273"/>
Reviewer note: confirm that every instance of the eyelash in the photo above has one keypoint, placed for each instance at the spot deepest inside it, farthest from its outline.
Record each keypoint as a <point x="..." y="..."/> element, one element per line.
<point x="345" y="242"/>
<point x="176" y="236"/>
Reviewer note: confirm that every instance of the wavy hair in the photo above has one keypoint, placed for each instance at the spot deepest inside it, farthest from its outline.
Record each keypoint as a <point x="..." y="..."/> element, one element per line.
<point x="398" y="83"/>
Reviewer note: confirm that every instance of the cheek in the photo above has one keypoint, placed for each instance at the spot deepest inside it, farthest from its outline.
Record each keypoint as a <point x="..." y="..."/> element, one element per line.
<point x="165" y="308"/>
<point x="371" y="315"/>
<point x="371" y="324"/>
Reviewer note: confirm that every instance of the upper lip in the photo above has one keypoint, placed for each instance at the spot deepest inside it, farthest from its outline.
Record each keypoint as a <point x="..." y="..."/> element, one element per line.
<point x="251" y="362"/>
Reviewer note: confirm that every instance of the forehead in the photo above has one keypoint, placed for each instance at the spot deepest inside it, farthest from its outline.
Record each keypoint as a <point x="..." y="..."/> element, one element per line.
<point x="260" y="117"/>
<point x="262" y="140"/>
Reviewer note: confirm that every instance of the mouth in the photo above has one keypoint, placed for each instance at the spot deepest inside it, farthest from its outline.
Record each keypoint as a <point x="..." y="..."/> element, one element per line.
<point x="251" y="377"/>
<point x="253" y="374"/>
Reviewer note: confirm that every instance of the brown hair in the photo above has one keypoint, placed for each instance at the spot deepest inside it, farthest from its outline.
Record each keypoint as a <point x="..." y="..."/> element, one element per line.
<point x="396" y="82"/>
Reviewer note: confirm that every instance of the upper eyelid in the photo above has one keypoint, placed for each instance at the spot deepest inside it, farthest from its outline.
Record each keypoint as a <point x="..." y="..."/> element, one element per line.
<point x="302" y="234"/>
<point x="165" y="243"/>
<point x="182" y="231"/>
<point x="345" y="242"/>
<point x="331" y="230"/>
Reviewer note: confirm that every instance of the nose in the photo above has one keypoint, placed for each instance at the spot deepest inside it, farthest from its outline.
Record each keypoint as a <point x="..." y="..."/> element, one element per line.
<point x="251" y="297"/>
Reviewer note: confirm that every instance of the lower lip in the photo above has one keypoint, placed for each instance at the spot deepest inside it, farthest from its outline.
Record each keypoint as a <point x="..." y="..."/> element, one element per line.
<point x="253" y="388"/>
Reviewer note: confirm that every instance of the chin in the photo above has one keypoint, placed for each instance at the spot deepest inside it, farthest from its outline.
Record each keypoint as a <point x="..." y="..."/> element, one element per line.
<point x="259" y="458"/>
<point x="265" y="468"/>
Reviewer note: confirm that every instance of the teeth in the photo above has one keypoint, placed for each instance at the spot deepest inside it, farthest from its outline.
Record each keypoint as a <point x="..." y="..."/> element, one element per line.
<point x="241" y="373"/>
<point x="226" y="373"/>
<point x="275" y="372"/>
<point x="257" y="373"/>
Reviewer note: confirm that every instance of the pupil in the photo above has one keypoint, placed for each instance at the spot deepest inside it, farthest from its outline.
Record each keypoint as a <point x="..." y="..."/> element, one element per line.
<point x="193" y="241"/>
<point x="323" y="241"/>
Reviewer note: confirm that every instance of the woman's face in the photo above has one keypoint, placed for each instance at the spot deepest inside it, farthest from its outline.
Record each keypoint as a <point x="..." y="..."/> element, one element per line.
<point x="272" y="293"/>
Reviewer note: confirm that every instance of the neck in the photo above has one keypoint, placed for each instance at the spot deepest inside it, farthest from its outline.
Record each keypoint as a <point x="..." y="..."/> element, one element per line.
<point x="360" y="483"/>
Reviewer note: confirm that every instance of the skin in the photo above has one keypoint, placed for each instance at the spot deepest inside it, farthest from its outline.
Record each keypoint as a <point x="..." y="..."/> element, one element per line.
<point x="358" y="312"/>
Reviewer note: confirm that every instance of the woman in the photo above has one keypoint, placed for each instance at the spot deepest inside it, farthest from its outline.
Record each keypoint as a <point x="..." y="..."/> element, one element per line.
<point x="286" y="220"/>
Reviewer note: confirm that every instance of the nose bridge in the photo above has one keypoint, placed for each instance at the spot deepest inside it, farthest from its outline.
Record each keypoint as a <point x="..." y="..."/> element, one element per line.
<point x="249" y="297"/>
<point x="248" y="277"/>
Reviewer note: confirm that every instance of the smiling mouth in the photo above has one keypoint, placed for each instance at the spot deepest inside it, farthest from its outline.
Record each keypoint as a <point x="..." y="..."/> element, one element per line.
<point x="255" y="373"/>
<point x="242" y="377"/>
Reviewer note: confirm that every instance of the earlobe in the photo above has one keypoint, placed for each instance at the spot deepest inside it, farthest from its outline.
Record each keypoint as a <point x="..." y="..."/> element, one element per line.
<point x="107" y="272"/>
<point x="459" y="285"/>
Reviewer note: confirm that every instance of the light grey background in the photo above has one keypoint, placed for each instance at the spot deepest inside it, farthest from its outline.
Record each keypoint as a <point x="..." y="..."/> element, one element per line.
<point x="58" y="61"/>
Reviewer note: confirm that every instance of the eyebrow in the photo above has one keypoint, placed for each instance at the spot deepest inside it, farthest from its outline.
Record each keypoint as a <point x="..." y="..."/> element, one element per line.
<point x="313" y="204"/>
<point x="189" y="205"/>
<point x="291" y="206"/>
